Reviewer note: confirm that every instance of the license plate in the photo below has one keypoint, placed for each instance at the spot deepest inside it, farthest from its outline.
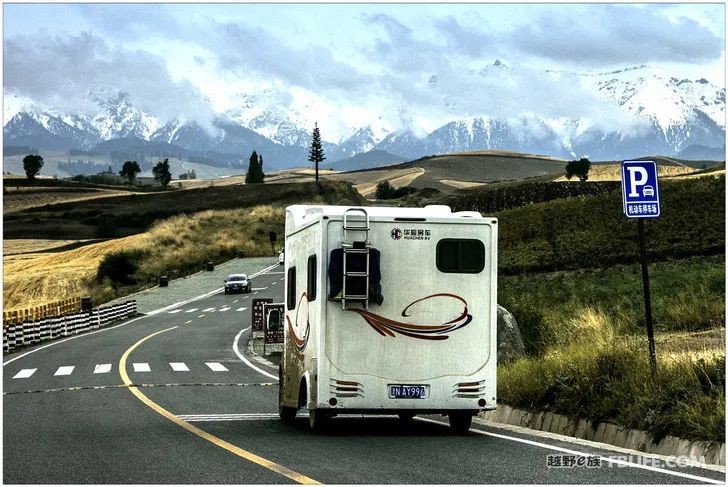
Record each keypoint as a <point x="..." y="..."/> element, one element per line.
<point x="398" y="391"/>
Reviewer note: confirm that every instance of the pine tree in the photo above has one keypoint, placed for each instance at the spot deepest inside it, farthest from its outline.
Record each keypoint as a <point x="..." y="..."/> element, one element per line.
<point x="255" y="169"/>
<point x="317" y="152"/>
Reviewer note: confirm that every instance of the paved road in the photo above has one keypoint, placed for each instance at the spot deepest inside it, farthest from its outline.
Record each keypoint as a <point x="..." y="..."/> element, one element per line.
<point x="211" y="418"/>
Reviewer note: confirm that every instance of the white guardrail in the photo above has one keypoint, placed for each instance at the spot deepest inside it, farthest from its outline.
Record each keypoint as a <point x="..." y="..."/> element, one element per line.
<point x="37" y="331"/>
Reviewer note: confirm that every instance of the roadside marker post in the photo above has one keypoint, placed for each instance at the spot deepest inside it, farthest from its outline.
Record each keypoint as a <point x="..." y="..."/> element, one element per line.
<point x="641" y="199"/>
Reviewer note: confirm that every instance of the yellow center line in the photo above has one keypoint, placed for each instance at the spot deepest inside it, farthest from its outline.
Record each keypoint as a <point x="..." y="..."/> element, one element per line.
<point x="280" y="469"/>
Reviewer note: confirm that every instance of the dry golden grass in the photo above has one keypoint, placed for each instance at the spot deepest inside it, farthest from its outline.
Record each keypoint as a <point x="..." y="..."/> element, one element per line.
<point x="296" y="175"/>
<point x="36" y="279"/>
<point x="461" y="184"/>
<point x="176" y="243"/>
<point x="612" y="172"/>
<point x="31" y="197"/>
<point x="715" y="174"/>
<point x="206" y="183"/>
<point x="25" y="245"/>
<point x="366" y="181"/>
<point x="500" y="152"/>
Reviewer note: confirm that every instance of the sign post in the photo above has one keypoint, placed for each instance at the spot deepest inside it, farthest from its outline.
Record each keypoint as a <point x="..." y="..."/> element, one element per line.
<point x="641" y="199"/>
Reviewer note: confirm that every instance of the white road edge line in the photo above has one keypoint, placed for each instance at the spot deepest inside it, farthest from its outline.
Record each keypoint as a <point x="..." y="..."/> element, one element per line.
<point x="245" y="360"/>
<point x="583" y="454"/>
<point x="547" y="435"/>
<point x="151" y="313"/>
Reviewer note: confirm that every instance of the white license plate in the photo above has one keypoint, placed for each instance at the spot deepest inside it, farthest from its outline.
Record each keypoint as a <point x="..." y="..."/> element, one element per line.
<point x="401" y="391"/>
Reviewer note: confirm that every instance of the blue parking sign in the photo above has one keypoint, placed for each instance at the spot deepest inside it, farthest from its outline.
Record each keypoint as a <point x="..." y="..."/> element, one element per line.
<point x="640" y="193"/>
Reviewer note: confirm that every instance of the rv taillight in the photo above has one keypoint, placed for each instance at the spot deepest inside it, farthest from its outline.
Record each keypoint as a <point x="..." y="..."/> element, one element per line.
<point x="333" y="401"/>
<point x="481" y="402"/>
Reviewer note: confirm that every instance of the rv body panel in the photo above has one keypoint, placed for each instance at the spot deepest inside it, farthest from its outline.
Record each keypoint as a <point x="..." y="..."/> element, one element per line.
<point x="434" y="332"/>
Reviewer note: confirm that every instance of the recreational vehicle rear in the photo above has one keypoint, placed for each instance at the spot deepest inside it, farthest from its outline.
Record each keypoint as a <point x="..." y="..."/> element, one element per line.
<point x="389" y="311"/>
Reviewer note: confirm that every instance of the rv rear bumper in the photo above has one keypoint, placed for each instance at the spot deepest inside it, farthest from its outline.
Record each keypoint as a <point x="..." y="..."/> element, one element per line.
<point x="337" y="411"/>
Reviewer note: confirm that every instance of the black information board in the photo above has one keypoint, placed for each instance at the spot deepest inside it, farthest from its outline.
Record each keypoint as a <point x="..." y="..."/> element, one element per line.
<point x="258" y="316"/>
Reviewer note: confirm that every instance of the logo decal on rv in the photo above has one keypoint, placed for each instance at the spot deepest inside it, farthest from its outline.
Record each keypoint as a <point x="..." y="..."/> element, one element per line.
<point x="300" y="343"/>
<point x="396" y="234"/>
<point x="388" y="327"/>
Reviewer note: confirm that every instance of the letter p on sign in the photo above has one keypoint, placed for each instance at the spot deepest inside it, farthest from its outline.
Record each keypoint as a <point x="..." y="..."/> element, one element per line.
<point x="640" y="192"/>
<point x="637" y="178"/>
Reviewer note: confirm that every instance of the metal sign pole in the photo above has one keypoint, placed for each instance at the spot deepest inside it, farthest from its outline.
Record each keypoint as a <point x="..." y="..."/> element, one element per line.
<point x="646" y="289"/>
<point x="641" y="199"/>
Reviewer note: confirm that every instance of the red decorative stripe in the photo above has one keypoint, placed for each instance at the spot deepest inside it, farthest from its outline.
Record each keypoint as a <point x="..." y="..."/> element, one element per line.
<point x="385" y="326"/>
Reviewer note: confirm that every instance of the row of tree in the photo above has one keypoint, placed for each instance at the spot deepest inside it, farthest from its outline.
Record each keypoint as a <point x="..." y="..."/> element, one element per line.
<point x="161" y="172"/>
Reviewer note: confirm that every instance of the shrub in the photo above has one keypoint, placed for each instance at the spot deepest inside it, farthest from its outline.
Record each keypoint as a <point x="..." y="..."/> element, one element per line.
<point x="119" y="267"/>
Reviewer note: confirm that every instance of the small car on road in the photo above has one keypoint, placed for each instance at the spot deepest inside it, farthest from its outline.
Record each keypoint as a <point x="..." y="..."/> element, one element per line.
<point x="238" y="283"/>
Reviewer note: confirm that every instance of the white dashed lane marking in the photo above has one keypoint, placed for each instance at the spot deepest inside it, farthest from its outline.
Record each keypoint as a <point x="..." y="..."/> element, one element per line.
<point x="224" y="309"/>
<point x="216" y="366"/>
<point x="259" y="288"/>
<point x="241" y="309"/>
<point x="207" y="310"/>
<point x="102" y="369"/>
<point x="175" y="311"/>
<point x="65" y="370"/>
<point x="201" y="316"/>
<point x="24" y="374"/>
<point x="141" y="367"/>
<point x="192" y="310"/>
<point x="188" y="321"/>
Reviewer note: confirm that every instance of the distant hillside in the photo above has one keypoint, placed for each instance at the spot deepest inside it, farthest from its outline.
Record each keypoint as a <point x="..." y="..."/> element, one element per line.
<point x="366" y="160"/>
<point x="701" y="152"/>
<point x="121" y="216"/>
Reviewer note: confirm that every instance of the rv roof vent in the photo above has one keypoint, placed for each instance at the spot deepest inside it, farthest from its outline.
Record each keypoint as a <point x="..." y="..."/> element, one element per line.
<point x="468" y="214"/>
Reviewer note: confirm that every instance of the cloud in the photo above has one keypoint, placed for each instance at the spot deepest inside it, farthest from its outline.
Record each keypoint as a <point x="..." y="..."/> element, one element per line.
<point x="615" y="34"/>
<point x="465" y="41"/>
<point x="252" y="52"/>
<point x="62" y="71"/>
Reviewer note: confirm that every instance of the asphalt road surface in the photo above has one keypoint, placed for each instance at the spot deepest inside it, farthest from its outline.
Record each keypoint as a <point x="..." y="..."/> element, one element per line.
<point x="172" y="398"/>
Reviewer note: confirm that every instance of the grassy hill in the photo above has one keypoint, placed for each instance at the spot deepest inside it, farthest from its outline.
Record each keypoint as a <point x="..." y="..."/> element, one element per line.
<point x="171" y="233"/>
<point x="449" y="172"/>
<point x="568" y="272"/>
<point x="131" y="214"/>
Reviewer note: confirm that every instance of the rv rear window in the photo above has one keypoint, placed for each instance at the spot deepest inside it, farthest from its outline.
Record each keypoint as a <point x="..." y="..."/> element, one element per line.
<point x="460" y="255"/>
<point x="311" y="278"/>
<point x="291" y="291"/>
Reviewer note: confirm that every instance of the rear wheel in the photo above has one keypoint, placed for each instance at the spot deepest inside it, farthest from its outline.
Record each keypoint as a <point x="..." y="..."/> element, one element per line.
<point x="318" y="420"/>
<point x="460" y="422"/>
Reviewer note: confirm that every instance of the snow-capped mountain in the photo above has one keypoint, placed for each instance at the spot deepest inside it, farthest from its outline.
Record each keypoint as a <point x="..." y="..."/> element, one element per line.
<point x="684" y="111"/>
<point x="363" y="139"/>
<point x="119" y="118"/>
<point x="676" y="114"/>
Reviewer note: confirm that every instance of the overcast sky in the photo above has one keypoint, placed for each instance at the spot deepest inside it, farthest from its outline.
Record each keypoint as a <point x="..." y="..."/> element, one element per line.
<point x="348" y="65"/>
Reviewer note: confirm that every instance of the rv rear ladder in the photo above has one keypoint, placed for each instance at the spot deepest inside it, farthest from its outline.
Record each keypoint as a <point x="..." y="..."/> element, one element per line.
<point x="351" y="246"/>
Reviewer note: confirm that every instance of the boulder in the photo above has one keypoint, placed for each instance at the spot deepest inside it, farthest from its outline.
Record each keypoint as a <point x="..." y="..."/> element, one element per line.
<point x="510" y="342"/>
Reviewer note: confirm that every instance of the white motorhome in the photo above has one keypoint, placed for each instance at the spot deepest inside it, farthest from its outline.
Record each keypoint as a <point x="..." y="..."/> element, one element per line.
<point x="389" y="311"/>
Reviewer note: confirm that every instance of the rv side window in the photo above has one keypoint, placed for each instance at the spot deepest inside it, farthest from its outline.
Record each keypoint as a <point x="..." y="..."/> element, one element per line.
<point x="311" y="279"/>
<point x="291" y="291"/>
<point x="460" y="255"/>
